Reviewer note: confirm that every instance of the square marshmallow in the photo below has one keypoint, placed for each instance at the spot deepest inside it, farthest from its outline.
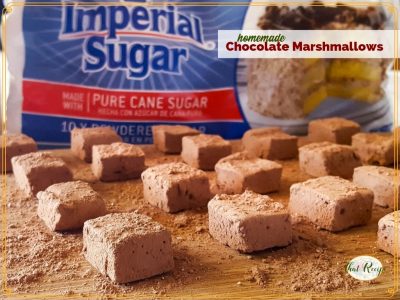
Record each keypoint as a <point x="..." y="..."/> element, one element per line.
<point x="374" y="148"/>
<point x="67" y="205"/>
<point x="249" y="222"/>
<point x="386" y="233"/>
<point x="175" y="186"/>
<point x="335" y="130"/>
<point x="83" y="139"/>
<point x="168" y="138"/>
<point x="325" y="158"/>
<point x="117" y="161"/>
<point x="127" y="246"/>
<point x="331" y="202"/>
<point x="241" y="171"/>
<point x="270" y="143"/>
<point x="17" y="144"/>
<point x="36" y="171"/>
<point x="380" y="180"/>
<point x="203" y="151"/>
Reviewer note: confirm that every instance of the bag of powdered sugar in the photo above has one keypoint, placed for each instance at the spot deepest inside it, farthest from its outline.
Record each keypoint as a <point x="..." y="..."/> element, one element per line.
<point x="134" y="65"/>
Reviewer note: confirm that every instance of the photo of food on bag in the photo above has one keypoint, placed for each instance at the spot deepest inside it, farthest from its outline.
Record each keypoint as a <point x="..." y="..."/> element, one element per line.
<point x="175" y="150"/>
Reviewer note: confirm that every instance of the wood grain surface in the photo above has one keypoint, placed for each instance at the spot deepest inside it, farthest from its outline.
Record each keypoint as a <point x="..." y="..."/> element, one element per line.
<point x="204" y="268"/>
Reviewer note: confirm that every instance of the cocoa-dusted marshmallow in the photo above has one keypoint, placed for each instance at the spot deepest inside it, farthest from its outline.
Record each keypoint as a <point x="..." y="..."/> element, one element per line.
<point x="117" y="161"/>
<point x="325" y="158"/>
<point x="17" y="144"/>
<point x="168" y="138"/>
<point x="240" y="171"/>
<point x="83" y="139"/>
<point x="270" y="143"/>
<point x="67" y="205"/>
<point x="127" y="247"/>
<point x="374" y="148"/>
<point x="203" y="151"/>
<point x="386" y="233"/>
<point x="331" y="202"/>
<point x="249" y="222"/>
<point x="36" y="171"/>
<point x="335" y="130"/>
<point x="380" y="180"/>
<point x="175" y="186"/>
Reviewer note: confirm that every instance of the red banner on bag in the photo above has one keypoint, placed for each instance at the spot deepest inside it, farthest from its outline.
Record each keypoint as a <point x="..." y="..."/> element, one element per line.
<point x="48" y="98"/>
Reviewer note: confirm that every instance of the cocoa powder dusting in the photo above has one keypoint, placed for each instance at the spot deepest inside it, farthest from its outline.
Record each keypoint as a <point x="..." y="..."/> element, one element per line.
<point x="258" y="275"/>
<point x="319" y="274"/>
<point x="40" y="261"/>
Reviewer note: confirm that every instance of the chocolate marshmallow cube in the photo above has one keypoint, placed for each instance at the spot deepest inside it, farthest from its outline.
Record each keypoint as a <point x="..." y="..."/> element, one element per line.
<point x="203" y="151"/>
<point x="386" y="233"/>
<point x="168" y="138"/>
<point x="331" y="202"/>
<point x="249" y="222"/>
<point x="36" y="171"/>
<point x="270" y="143"/>
<point x="127" y="247"/>
<point x="17" y="144"/>
<point x="381" y="181"/>
<point x="67" y="205"/>
<point x="374" y="148"/>
<point x="117" y="161"/>
<point x="325" y="158"/>
<point x="241" y="171"/>
<point x="83" y="139"/>
<point x="335" y="130"/>
<point x="175" y="186"/>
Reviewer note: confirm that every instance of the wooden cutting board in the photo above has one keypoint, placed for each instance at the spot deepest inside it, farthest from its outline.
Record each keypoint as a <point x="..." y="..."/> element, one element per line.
<point x="41" y="264"/>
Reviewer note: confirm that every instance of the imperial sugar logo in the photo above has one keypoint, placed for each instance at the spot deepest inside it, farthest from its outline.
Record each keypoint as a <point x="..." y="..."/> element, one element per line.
<point x="364" y="268"/>
<point x="138" y="40"/>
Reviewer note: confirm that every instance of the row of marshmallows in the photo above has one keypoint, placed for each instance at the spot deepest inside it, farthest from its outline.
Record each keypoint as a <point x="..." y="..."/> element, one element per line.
<point x="240" y="222"/>
<point x="123" y="246"/>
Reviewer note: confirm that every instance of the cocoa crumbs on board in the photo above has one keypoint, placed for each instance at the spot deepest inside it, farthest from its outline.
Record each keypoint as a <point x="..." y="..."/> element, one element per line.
<point x="39" y="261"/>
<point x="258" y="275"/>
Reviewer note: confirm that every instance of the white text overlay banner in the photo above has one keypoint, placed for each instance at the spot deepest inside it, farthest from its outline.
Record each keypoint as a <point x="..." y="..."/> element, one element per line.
<point x="307" y="44"/>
